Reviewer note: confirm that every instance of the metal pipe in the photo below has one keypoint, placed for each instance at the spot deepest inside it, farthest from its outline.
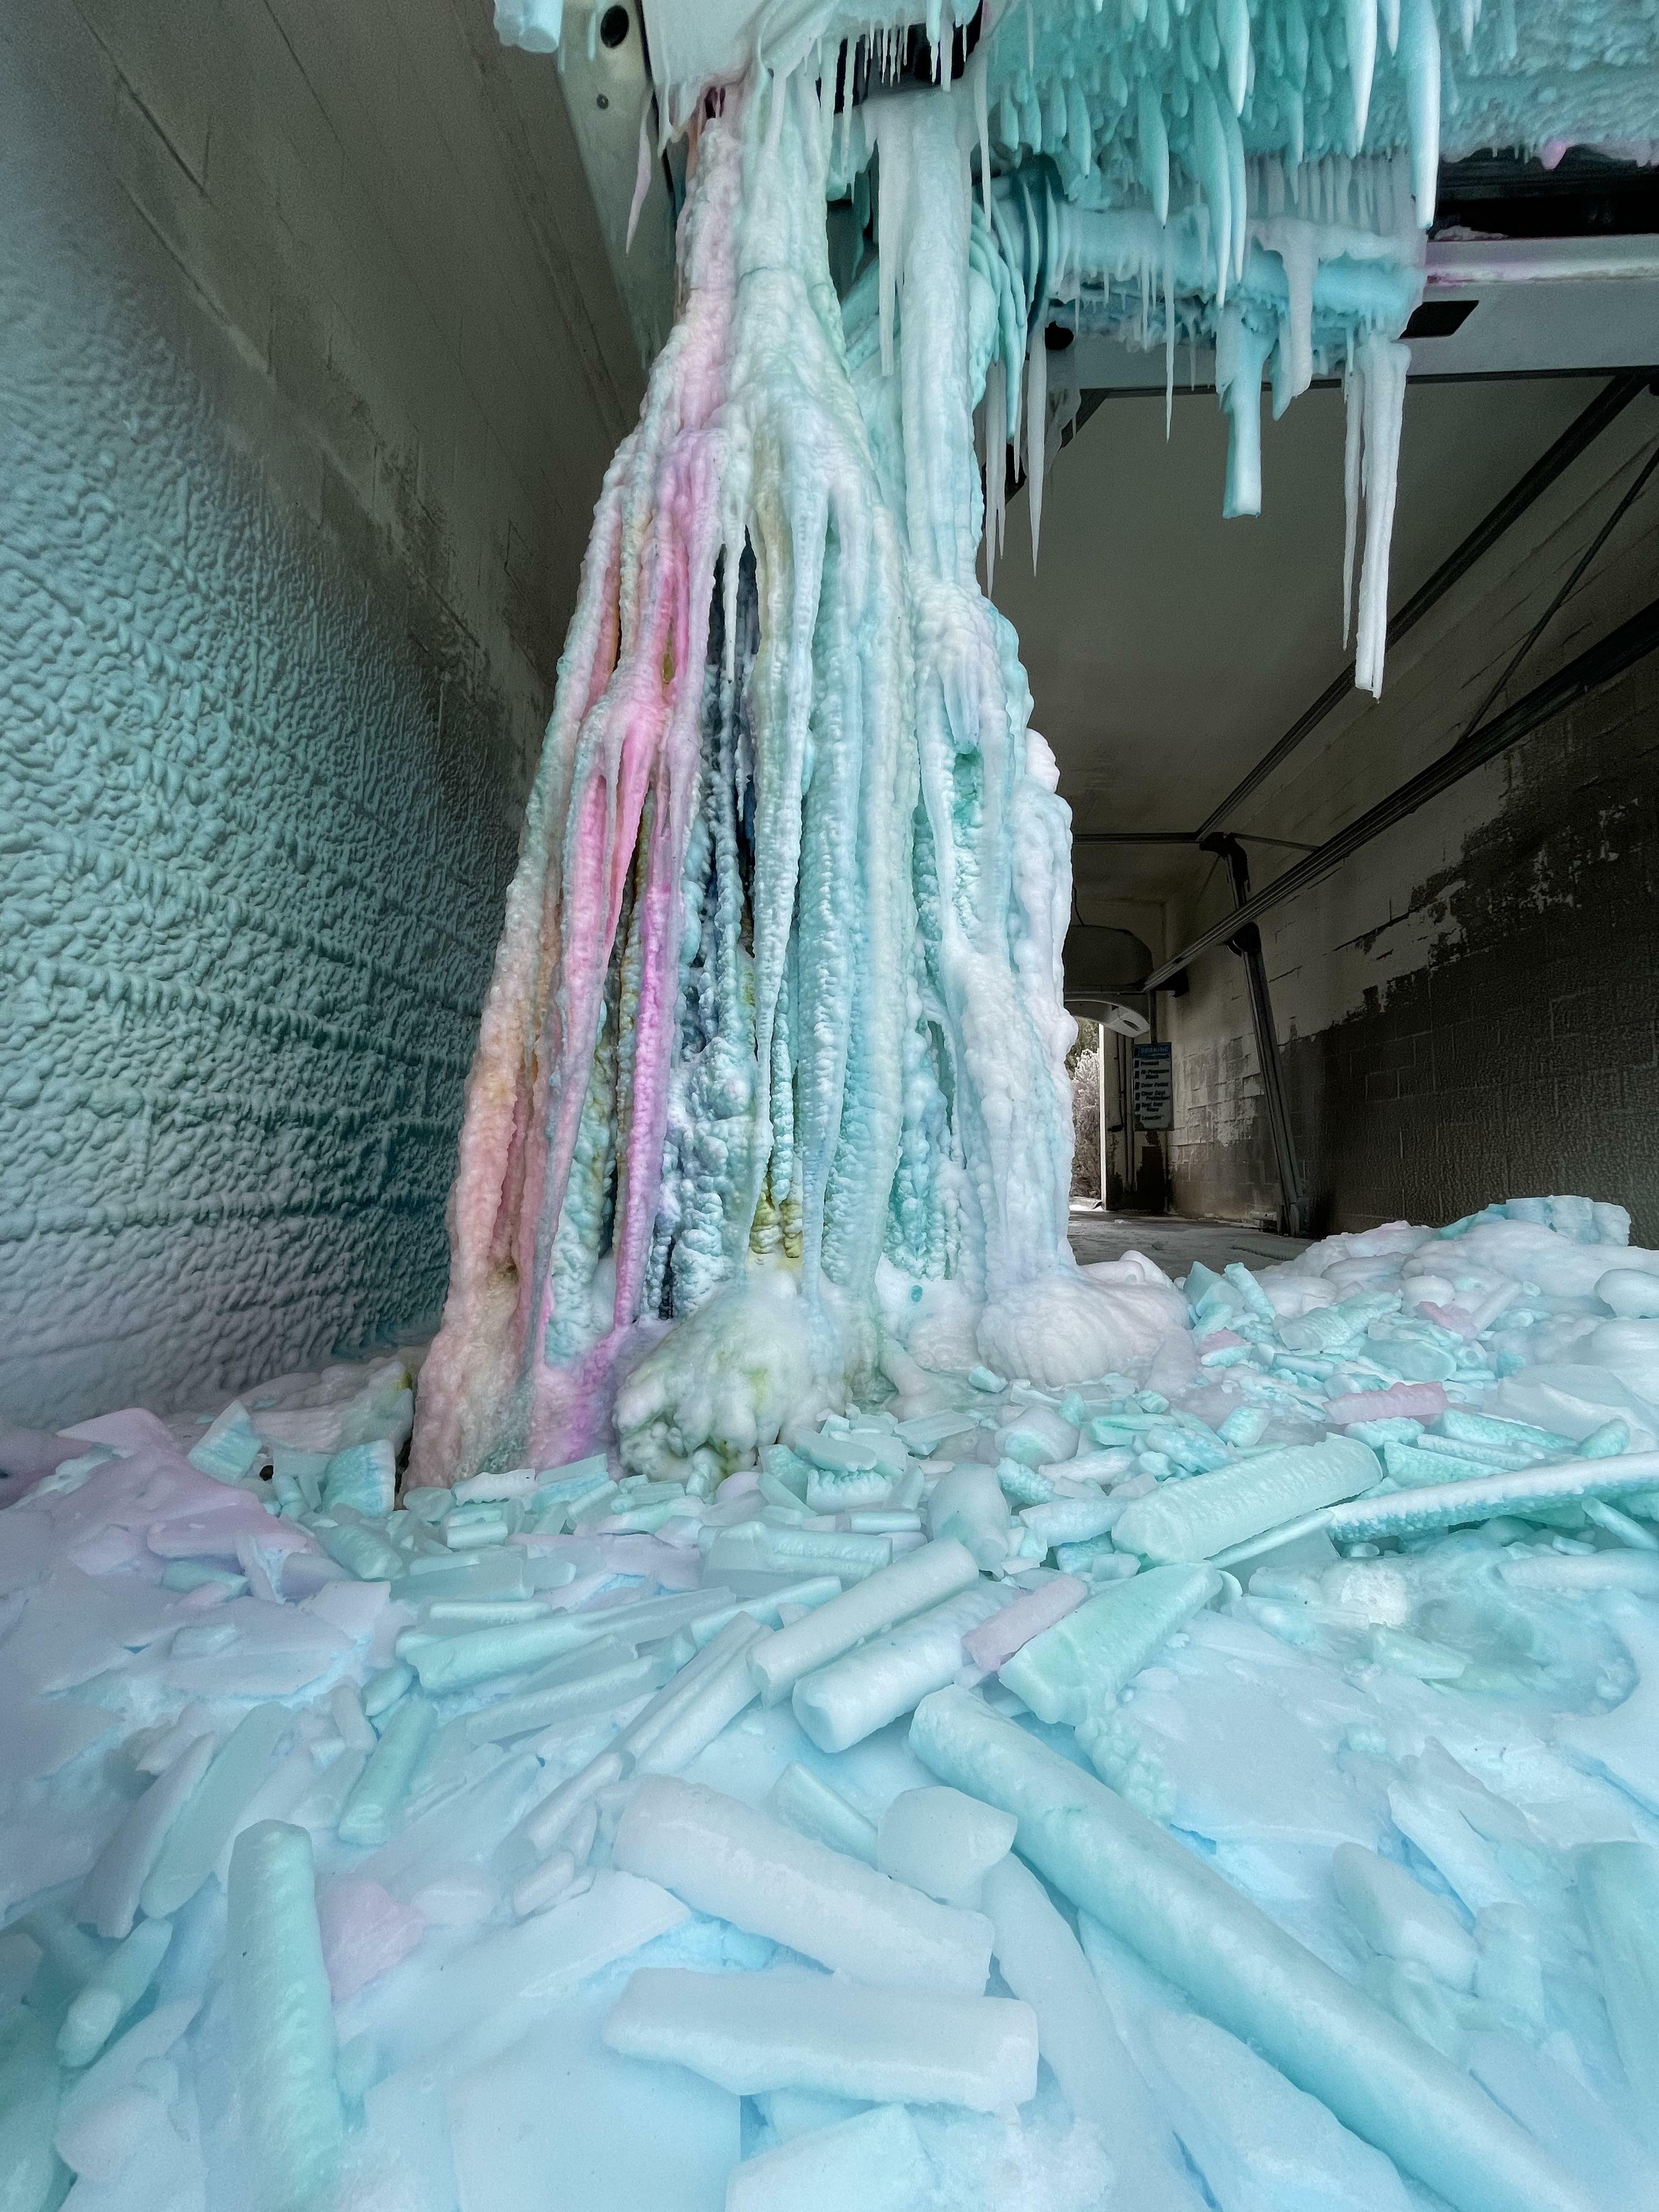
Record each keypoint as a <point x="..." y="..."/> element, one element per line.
<point x="1100" y="1035"/>
<point x="1293" y="1190"/>
<point x="1633" y="492"/>
<point x="1608" y="403"/>
<point x="1180" y="837"/>
<point x="1632" y="641"/>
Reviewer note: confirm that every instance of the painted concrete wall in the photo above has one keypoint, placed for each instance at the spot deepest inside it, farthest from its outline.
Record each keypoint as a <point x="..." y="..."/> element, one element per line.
<point x="1467" y="1009"/>
<point x="301" y="418"/>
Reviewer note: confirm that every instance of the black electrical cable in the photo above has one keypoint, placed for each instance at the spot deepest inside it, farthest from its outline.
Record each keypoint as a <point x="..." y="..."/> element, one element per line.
<point x="1608" y="403"/>
<point x="1621" y="649"/>
<point x="1566" y="592"/>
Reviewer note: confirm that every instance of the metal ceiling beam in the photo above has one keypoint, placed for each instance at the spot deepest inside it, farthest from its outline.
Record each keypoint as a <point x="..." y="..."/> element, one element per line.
<point x="1630" y="642"/>
<point x="1608" y="403"/>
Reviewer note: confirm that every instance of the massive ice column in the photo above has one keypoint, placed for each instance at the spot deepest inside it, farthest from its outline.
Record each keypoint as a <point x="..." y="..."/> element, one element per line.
<point x="774" y="1043"/>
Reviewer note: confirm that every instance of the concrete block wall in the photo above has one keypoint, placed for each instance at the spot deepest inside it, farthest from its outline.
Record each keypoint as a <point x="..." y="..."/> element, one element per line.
<point x="310" y="366"/>
<point x="1525" y="1060"/>
<point x="1467" y="1009"/>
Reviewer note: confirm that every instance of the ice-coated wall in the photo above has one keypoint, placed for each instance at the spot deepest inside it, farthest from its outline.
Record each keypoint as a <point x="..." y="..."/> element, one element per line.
<point x="284" y="559"/>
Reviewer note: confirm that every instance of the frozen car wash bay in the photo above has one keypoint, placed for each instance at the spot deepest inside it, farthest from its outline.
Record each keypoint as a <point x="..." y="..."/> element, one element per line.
<point x="829" y="1236"/>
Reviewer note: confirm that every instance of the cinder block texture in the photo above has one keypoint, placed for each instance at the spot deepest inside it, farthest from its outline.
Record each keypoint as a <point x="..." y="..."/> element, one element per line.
<point x="1524" y="1058"/>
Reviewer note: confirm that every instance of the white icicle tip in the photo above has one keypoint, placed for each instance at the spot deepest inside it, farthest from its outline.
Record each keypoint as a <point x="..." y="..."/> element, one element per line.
<point x="1360" y="22"/>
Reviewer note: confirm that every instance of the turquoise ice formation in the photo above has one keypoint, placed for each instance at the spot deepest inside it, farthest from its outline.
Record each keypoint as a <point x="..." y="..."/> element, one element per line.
<point x="769" y="1106"/>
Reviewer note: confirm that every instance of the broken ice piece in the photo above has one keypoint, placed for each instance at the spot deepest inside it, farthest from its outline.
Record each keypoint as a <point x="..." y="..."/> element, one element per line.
<point x="1419" y="1401"/>
<point x="229" y="1447"/>
<point x="186" y="1575"/>
<point x="720" y="1856"/>
<point x="360" y="1549"/>
<point x="1256" y="2138"/>
<point x="841" y="1703"/>
<point x="459" y="1898"/>
<point x="385" y="1780"/>
<point x="1087" y="1659"/>
<point x="28" y="2117"/>
<point x="724" y="1691"/>
<point x="363" y="1477"/>
<point x="921" y="1579"/>
<point x="751" y="2032"/>
<point x="607" y="1675"/>
<point x="1399" y="1918"/>
<point x="282" y="2022"/>
<point x="99" y="2007"/>
<point x="200" y="1832"/>
<point x="109" y="1896"/>
<point x="365" y="1932"/>
<point x="1036" y="1436"/>
<point x="1618" y="1889"/>
<point x="512" y="1482"/>
<point x="1041" y="1961"/>
<point x="968" y="1504"/>
<point x="986" y="1647"/>
<point x="1205" y="1515"/>
<point x="769" y="1547"/>
<point x="546" y="1884"/>
<point x="448" y="1663"/>
<point x="807" y="1802"/>
<point x="382" y="1691"/>
<point x="1446" y="1505"/>
<point x="874" y="2161"/>
<point x="942" y="1843"/>
<point x="1073" y="1520"/>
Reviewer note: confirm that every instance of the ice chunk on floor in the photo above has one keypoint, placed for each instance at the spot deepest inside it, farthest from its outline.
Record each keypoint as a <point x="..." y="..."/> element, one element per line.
<point x="1261" y="2144"/>
<point x="941" y="1842"/>
<point x="1619" y="1885"/>
<point x="787" y="2031"/>
<point x="874" y="2161"/>
<point x="560" y="2123"/>
<point x="722" y="1857"/>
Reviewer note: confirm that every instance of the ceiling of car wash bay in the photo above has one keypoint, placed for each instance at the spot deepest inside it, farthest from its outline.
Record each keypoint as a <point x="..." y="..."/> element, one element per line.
<point x="1168" y="649"/>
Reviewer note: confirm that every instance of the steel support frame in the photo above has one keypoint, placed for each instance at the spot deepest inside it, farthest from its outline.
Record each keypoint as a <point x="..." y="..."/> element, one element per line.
<point x="1293" y="1211"/>
<point x="1593" y="669"/>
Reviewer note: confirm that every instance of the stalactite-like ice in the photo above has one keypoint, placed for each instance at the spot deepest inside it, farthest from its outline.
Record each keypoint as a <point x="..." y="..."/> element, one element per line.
<point x="774" y="1049"/>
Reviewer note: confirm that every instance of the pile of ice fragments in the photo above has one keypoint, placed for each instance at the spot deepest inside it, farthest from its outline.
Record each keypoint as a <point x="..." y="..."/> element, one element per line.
<point x="1236" y="1787"/>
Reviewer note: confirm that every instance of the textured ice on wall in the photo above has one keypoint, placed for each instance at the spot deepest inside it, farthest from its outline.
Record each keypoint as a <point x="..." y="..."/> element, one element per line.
<point x="236" y="1014"/>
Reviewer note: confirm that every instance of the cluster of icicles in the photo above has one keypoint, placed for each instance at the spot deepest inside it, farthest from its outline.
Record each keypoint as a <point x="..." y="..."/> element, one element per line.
<point x="1289" y="255"/>
<point x="1314" y="273"/>
<point x="776" y="1038"/>
<point x="1132" y="91"/>
<point x="1320" y="249"/>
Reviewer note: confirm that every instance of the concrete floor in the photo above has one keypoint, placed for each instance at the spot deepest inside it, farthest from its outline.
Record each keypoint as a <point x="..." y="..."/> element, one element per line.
<point x="1174" y="1242"/>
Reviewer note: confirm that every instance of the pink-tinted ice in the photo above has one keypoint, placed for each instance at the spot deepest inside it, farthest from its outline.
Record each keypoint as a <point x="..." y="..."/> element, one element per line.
<point x="1006" y="1632"/>
<point x="1409" y="1401"/>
